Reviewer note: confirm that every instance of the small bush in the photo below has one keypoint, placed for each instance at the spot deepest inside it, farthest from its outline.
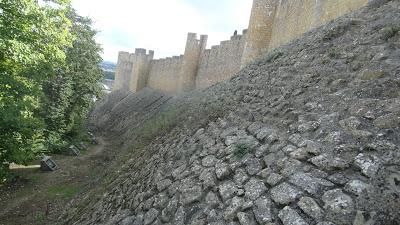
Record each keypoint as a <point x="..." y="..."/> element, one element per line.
<point x="241" y="150"/>
<point x="388" y="32"/>
<point x="272" y="56"/>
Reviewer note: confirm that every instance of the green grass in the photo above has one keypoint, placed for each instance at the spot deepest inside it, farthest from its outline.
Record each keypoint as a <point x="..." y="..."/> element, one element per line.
<point x="62" y="191"/>
<point x="241" y="150"/>
<point x="159" y="124"/>
<point x="40" y="217"/>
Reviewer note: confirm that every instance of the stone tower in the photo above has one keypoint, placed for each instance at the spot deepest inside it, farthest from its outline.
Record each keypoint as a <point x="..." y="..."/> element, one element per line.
<point x="260" y="29"/>
<point x="191" y="58"/>
<point x="122" y="72"/>
<point x="140" y="69"/>
<point x="132" y="70"/>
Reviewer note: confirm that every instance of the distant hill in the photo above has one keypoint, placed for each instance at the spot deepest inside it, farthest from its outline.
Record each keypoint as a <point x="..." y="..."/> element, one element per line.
<point x="109" y="69"/>
<point x="108" y="66"/>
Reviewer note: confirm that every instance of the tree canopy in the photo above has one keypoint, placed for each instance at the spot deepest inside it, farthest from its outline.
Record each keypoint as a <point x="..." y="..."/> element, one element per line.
<point x="49" y="74"/>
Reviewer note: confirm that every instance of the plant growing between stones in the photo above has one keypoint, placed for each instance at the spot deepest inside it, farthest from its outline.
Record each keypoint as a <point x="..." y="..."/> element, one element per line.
<point x="241" y="150"/>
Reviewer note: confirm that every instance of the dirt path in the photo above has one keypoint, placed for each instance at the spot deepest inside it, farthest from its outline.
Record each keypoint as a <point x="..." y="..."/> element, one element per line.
<point x="38" y="198"/>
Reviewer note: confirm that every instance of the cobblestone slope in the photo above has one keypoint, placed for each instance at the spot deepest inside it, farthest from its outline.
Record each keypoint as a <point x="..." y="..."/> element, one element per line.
<point x="310" y="135"/>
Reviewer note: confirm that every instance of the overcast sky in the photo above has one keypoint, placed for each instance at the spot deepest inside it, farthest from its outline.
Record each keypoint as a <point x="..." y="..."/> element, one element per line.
<point x="162" y="25"/>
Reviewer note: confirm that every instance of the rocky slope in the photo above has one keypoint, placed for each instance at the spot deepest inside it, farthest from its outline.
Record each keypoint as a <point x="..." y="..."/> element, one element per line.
<point x="307" y="135"/>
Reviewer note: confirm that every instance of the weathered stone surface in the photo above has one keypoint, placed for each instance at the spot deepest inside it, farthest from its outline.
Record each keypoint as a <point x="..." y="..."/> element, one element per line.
<point x="329" y="162"/>
<point x="139" y="220"/>
<point x="285" y="193"/>
<point x="212" y="199"/>
<point x="253" y="166"/>
<point x="163" y="184"/>
<point x="309" y="183"/>
<point x="128" y="220"/>
<point x="339" y="206"/>
<point x="357" y="187"/>
<point x="311" y="208"/>
<point x="227" y="190"/>
<point x="254" y="188"/>
<point x="369" y="165"/>
<point x="222" y="170"/>
<point x="168" y="213"/>
<point x="246" y="219"/>
<point x="150" y="216"/>
<point x="191" y="194"/>
<point x="262" y="210"/>
<point x="240" y="176"/>
<point x="208" y="178"/>
<point x="180" y="216"/>
<point x="274" y="178"/>
<point x="209" y="161"/>
<point x="289" y="216"/>
<point x="235" y="205"/>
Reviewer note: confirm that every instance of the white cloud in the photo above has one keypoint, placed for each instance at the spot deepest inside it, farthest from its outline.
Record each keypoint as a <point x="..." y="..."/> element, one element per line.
<point x="160" y="25"/>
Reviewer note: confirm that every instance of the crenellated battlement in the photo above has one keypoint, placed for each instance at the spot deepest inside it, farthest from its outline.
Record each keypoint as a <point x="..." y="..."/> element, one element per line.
<point x="272" y="23"/>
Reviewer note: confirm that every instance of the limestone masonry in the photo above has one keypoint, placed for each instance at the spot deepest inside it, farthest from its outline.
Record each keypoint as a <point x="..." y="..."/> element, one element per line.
<point x="272" y="23"/>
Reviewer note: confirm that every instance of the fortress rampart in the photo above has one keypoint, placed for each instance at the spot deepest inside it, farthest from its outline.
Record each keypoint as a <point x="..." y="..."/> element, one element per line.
<point x="272" y="23"/>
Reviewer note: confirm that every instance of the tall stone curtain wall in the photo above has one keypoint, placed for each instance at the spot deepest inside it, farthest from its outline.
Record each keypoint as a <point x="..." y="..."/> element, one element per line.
<point x="164" y="74"/>
<point x="272" y="23"/>
<point x="220" y="62"/>
<point x="293" y="18"/>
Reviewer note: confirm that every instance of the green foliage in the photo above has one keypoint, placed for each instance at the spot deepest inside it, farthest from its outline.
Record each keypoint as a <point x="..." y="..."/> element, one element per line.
<point x="70" y="93"/>
<point x="389" y="31"/>
<point x="49" y="74"/>
<point x="241" y="150"/>
<point x="273" y="55"/>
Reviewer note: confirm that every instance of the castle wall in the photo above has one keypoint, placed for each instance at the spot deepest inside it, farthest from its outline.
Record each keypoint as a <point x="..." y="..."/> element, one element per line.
<point x="132" y="70"/>
<point x="272" y="23"/>
<point x="260" y="29"/>
<point x="194" y="48"/>
<point x="295" y="17"/>
<point x="220" y="62"/>
<point x="164" y="74"/>
<point x="122" y="72"/>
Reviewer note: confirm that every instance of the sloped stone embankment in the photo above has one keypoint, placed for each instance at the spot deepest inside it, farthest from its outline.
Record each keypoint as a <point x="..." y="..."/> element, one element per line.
<point x="309" y="135"/>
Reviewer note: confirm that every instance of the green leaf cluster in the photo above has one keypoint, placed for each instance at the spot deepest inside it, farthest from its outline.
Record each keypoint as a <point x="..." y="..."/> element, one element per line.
<point x="49" y="74"/>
